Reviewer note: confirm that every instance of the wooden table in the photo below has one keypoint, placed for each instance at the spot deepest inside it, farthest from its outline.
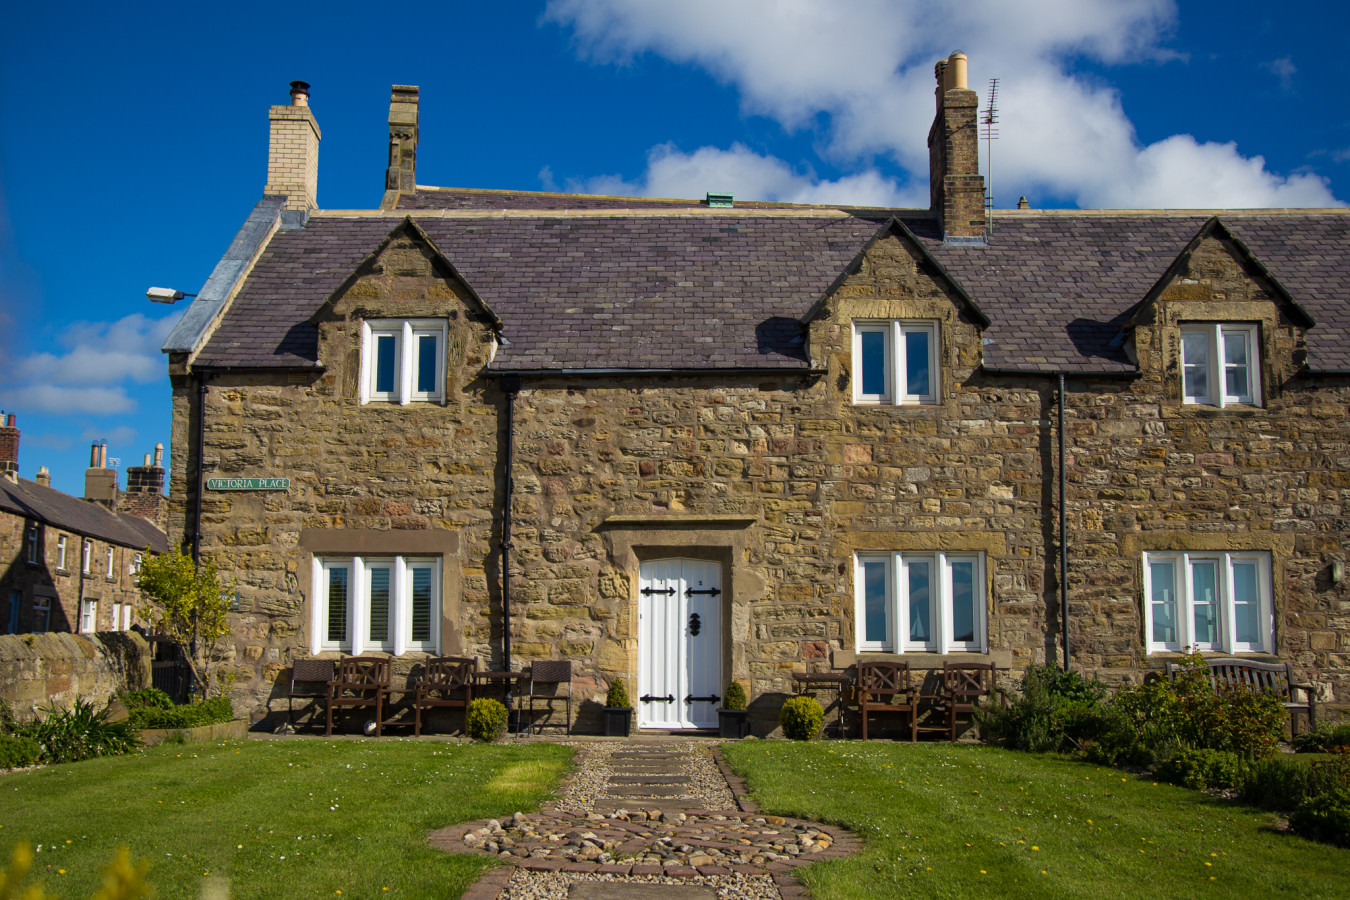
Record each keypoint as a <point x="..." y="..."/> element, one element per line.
<point x="810" y="682"/>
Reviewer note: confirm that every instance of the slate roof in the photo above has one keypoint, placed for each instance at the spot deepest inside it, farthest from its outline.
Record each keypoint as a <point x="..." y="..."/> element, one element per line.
<point x="608" y="283"/>
<point x="83" y="517"/>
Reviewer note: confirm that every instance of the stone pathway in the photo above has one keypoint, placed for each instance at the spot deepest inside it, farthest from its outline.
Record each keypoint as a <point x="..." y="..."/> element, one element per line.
<point x="646" y="818"/>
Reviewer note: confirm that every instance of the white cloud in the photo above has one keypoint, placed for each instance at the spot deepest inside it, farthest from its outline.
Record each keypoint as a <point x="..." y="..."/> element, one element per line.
<point x="88" y="373"/>
<point x="750" y="176"/>
<point x="868" y="66"/>
<point x="1284" y="70"/>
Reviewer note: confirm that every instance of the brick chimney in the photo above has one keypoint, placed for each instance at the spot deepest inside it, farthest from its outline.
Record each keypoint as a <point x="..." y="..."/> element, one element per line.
<point x="9" y="444"/>
<point x="100" y="482"/>
<point x="955" y="185"/>
<point x="293" y="152"/>
<point x="402" y="172"/>
<point x="145" y="489"/>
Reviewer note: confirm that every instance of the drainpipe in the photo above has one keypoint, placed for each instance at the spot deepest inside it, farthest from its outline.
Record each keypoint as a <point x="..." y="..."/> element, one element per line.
<point x="1063" y="529"/>
<point x="199" y="438"/>
<point x="511" y="385"/>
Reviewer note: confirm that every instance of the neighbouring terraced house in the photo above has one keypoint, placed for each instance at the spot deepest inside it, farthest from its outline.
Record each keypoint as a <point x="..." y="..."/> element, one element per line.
<point x="683" y="441"/>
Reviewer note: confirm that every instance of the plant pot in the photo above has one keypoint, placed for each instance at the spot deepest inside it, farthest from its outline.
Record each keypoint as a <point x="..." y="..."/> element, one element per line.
<point x="618" y="722"/>
<point x="733" y="723"/>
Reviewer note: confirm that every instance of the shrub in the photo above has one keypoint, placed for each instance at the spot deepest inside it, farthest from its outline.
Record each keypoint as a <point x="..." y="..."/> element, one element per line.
<point x="801" y="718"/>
<point x="486" y="719"/>
<point x="70" y="735"/>
<point x="207" y="712"/>
<point x="1326" y="736"/>
<point x="1275" y="783"/>
<point x="17" y="752"/>
<point x="617" y="698"/>
<point x="152" y="698"/>
<point x="735" y="698"/>
<point x="1056" y="711"/>
<point x="1202" y="768"/>
<point x="1324" y="817"/>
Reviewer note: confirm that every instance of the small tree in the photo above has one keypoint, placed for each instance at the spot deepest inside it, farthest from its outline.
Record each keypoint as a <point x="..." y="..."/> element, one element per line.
<point x="188" y="606"/>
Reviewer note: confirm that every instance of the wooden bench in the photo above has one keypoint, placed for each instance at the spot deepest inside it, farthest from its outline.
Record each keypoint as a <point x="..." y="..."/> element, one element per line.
<point x="1272" y="677"/>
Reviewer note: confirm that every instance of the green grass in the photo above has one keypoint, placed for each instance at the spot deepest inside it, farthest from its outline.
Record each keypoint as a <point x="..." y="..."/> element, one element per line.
<point x="941" y="820"/>
<point x="295" y="819"/>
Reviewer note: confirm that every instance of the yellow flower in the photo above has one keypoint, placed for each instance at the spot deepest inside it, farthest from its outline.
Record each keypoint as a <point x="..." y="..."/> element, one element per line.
<point x="60" y="871"/>
<point x="983" y="872"/>
<point x="1034" y="847"/>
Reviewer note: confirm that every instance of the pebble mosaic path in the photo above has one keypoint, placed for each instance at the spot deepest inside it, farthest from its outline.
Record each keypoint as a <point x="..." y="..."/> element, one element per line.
<point x="648" y="818"/>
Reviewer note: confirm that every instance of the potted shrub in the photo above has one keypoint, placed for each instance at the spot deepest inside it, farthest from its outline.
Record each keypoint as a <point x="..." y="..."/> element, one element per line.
<point x="618" y="710"/>
<point x="733" y="719"/>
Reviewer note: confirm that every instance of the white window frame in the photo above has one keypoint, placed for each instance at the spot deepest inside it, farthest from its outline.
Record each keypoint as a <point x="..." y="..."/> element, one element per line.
<point x="135" y="567"/>
<point x="116" y="616"/>
<point x="31" y="542"/>
<point x="112" y="568"/>
<point x="894" y="332"/>
<point x="88" y="616"/>
<point x="1216" y="367"/>
<point x="128" y="611"/>
<point x="1183" y="613"/>
<point x="403" y="573"/>
<point x="87" y="560"/>
<point x="407" y="348"/>
<point x="61" y="551"/>
<point x="897" y="603"/>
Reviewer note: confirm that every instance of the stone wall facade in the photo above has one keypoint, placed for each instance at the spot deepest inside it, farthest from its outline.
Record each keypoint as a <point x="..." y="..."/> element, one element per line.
<point x="781" y="478"/>
<point x="45" y="670"/>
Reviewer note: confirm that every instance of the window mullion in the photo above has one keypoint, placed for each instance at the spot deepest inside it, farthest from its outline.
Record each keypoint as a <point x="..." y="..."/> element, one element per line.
<point x="405" y="364"/>
<point x="358" y="604"/>
<point x="897" y="603"/>
<point x="1218" y="377"/>
<point x="895" y="376"/>
<point x="938" y="601"/>
<point x="402" y="608"/>
<point x="1227" y="597"/>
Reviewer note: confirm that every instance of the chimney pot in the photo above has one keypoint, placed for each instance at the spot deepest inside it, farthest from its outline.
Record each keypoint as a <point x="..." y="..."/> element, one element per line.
<point x="299" y="93"/>
<point x="44" y="477"/>
<point x="159" y="454"/>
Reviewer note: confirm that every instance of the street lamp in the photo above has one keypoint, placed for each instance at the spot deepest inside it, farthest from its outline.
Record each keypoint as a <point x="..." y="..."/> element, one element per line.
<point x="165" y="295"/>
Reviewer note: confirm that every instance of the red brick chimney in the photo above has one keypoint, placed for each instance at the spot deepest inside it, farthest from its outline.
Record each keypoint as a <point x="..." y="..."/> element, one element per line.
<point x="956" y="187"/>
<point x="9" y="444"/>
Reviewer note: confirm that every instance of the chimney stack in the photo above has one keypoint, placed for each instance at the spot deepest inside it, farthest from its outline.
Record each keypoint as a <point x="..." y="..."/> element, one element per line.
<point x="9" y="444"/>
<point x="402" y="172"/>
<point x="293" y="152"/>
<point x="44" y="477"/>
<point x="145" y="489"/>
<point x="100" y="482"/>
<point x="956" y="187"/>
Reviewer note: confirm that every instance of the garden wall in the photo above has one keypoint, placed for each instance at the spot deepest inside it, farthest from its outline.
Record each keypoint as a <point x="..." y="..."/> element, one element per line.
<point x="38" y="670"/>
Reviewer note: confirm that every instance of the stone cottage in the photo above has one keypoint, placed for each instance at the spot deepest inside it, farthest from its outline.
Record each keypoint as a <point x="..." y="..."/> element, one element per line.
<point x="684" y="442"/>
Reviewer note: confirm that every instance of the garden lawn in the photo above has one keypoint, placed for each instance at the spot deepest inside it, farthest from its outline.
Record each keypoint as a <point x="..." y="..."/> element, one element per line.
<point x="295" y="819"/>
<point x="943" y="820"/>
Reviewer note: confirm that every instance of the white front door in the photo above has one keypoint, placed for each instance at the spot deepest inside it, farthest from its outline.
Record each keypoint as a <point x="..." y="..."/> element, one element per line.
<point x="679" y="643"/>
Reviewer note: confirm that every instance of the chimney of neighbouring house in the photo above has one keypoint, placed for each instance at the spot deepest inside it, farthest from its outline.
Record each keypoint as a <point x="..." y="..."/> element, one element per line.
<point x="955" y="185"/>
<point x="402" y="172"/>
<point x="9" y="444"/>
<point x="100" y="482"/>
<point x="144" y="496"/>
<point x="293" y="151"/>
<point x="44" y="477"/>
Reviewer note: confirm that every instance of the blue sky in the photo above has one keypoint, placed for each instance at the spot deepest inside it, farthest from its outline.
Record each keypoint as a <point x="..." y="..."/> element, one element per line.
<point x="133" y="137"/>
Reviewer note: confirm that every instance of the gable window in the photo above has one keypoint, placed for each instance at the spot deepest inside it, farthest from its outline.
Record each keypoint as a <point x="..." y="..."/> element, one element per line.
<point x="1220" y="364"/>
<point x="920" y="602"/>
<point x="895" y="362"/>
<point x="31" y="542"/>
<point x="1208" y="600"/>
<point x="403" y="360"/>
<point x="386" y="603"/>
<point x="61" y="551"/>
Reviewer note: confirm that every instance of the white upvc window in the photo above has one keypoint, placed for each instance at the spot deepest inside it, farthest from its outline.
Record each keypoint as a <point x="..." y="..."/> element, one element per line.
<point x="61" y="551"/>
<point x="117" y="616"/>
<point x="1220" y="364"/>
<point x="88" y="616"/>
<point x="895" y="362"/>
<point x="127" y="612"/>
<point x="1209" y="601"/>
<point x="136" y="563"/>
<point x="31" y="541"/>
<point x="403" y="360"/>
<point x="389" y="603"/>
<point x="920" y="602"/>
<point x="111" y="569"/>
<point x="87" y="560"/>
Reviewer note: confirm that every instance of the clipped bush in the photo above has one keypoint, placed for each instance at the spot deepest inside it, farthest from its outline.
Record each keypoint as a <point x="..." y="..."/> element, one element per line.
<point x="486" y="719"/>
<point x="1275" y="783"/>
<point x="735" y="698"/>
<point x="1324" y="817"/>
<point x="145" y="710"/>
<point x="1202" y="768"/>
<point x="17" y="752"/>
<point x="147" y="698"/>
<point x="1325" y="737"/>
<point x="617" y="698"/>
<point x="801" y="718"/>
